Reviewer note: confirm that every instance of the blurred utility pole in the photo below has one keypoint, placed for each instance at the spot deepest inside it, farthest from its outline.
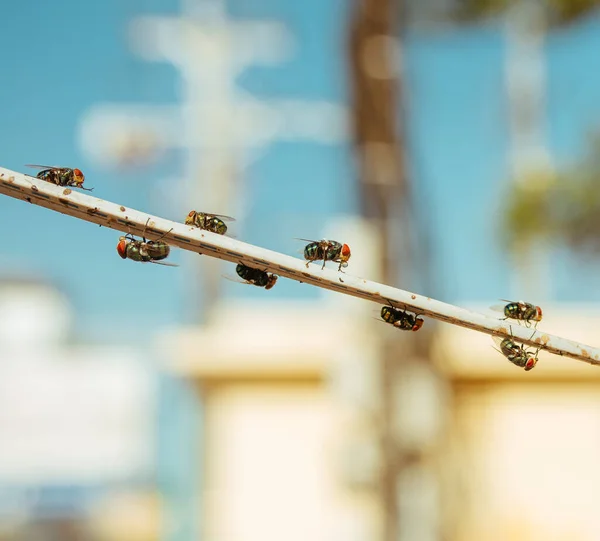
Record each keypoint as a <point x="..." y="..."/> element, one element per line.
<point x="379" y="146"/>
<point x="526" y="23"/>
<point x="375" y="63"/>
<point x="219" y="128"/>
<point x="202" y="44"/>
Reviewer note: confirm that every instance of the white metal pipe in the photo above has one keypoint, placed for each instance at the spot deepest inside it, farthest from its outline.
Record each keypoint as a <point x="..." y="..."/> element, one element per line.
<point x="92" y="209"/>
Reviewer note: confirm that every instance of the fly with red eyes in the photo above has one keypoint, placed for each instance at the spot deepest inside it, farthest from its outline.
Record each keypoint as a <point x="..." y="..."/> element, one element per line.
<point x="61" y="176"/>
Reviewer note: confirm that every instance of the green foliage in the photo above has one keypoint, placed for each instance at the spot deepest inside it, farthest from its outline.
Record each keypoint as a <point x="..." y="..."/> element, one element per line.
<point x="564" y="208"/>
<point x="526" y="209"/>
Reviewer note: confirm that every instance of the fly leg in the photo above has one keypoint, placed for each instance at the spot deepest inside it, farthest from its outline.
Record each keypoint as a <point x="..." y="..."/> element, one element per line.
<point x="159" y="238"/>
<point x="325" y="254"/>
<point x="144" y="231"/>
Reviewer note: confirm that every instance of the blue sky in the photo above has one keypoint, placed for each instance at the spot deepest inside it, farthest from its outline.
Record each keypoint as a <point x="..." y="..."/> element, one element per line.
<point x="60" y="58"/>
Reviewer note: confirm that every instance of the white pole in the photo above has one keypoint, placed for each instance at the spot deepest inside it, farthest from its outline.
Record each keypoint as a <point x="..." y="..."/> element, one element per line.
<point x="108" y="214"/>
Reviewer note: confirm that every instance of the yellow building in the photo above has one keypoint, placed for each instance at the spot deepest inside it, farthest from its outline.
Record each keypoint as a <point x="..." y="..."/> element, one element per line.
<point x="290" y="446"/>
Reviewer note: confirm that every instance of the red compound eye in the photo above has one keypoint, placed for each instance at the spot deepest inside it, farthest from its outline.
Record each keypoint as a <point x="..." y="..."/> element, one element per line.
<point x="122" y="249"/>
<point x="272" y="281"/>
<point x="346" y="250"/>
<point x="418" y="324"/>
<point x="530" y="363"/>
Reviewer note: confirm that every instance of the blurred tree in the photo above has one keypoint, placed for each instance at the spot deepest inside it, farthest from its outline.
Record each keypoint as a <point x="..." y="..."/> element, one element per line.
<point x="546" y="205"/>
<point x="375" y="90"/>
<point x="560" y="12"/>
<point x="375" y="45"/>
<point x="382" y="185"/>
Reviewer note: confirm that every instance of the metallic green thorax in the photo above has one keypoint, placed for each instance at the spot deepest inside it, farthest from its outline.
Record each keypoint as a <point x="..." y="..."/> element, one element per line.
<point x="316" y="251"/>
<point x="61" y="176"/>
<point x="147" y="251"/>
<point x="133" y="252"/>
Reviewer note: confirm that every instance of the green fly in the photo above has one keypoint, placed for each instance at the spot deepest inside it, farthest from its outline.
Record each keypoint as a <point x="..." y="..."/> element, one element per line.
<point x="515" y="353"/>
<point x="521" y="311"/>
<point x="401" y="319"/>
<point x="215" y="223"/>
<point x="145" y="251"/>
<point x="61" y="176"/>
<point x="326" y="250"/>
<point x="256" y="277"/>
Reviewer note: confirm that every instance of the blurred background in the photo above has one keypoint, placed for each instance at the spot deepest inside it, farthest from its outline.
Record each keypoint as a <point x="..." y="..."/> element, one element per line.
<point x="452" y="144"/>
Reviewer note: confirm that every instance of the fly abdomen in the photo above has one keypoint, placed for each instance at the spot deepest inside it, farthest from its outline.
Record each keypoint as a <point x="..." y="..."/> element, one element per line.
<point x="512" y="310"/>
<point x="257" y="277"/>
<point x="508" y="347"/>
<point x="312" y="252"/>
<point x="50" y="175"/>
<point x="387" y="314"/>
<point x="157" y="250"/>
<point x="218" y="226"/>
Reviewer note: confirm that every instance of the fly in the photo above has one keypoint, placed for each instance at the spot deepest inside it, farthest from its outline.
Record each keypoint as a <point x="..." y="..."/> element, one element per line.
<point x="327" y="250"/>
<point x="61" y="176"/>
<point x="215" y="223"/>
<point x="521" y="311"/>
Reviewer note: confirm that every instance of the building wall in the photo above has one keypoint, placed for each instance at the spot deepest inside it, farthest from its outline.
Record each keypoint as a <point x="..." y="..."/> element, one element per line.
<point x="273" y="466"/>
<point x="521" y="450"/>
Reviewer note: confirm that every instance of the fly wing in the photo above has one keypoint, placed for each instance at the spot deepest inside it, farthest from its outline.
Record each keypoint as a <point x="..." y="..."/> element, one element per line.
<point x="232" y="279"/>
<point x="43" y="166"/>
<point x="498" y="308"/>
<point x="301" y="250"/>
<point x="496" y="349"/>
<point x="163" y="263"/>
<point x="498" y="340"/>
<point x="221" y="217"/>
<point x="305" y="240"/>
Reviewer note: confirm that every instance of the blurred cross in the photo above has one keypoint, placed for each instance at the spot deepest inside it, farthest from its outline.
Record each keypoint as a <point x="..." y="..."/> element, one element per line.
<point x="218" y="125"/>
